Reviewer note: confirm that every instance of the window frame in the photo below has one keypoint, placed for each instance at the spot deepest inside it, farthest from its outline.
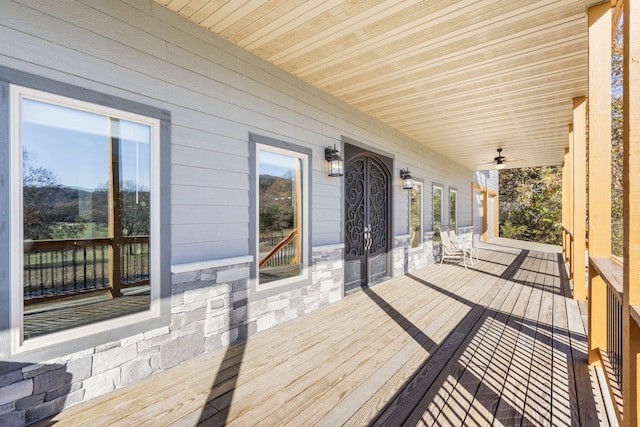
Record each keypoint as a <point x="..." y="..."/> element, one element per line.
<point x="257" y="143"/>
<point x="417" y="183"/>
<point x="17" y="86"/>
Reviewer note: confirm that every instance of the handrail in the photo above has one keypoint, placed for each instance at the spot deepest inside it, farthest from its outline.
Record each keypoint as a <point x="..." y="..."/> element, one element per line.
<point x="611" y="272"/>
<point x="569" y="232"/>
<point x="284" y="242"/>
<point x="40" y="245"/>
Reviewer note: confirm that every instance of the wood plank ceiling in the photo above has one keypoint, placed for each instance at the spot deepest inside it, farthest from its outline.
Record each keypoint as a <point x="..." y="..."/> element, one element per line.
<point x="461" y="77"/>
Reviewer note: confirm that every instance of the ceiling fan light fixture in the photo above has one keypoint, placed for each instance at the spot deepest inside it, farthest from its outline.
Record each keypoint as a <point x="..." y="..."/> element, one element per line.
<point x="499" y="166"/>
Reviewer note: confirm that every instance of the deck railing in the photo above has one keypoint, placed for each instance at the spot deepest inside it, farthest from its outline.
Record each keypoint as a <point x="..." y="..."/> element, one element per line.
<point x="567" y="248"/>
<point x="614" y="333"/>
<point x="57" y="268"/>
<point x="284" y="253"/>
<point x="606" y="284"/>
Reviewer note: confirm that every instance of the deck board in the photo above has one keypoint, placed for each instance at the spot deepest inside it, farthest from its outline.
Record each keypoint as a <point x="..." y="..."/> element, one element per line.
<point x="496" y="344"/>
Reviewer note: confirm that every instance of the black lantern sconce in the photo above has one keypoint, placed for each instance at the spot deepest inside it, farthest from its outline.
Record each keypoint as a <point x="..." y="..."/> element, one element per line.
<point x="407" y="181"/>
<point x="336" y="164"/>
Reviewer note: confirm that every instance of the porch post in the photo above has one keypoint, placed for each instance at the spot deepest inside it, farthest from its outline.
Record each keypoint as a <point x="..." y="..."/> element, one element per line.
<point x="572" y="191"/>
<point x="599" y="169"/>
<point x="496" y="215"/>
<point x="565" y="205"/>
<point x="579" y="197"/>
<point x="631" y="204"/>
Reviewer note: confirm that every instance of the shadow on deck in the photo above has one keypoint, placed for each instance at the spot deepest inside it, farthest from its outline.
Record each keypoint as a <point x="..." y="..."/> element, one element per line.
<point x="499" y="343"/>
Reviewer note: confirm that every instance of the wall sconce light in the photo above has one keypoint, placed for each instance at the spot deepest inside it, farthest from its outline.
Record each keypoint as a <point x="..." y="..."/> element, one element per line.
<point x="407" y="181"/>
<point x="336" y="164"/>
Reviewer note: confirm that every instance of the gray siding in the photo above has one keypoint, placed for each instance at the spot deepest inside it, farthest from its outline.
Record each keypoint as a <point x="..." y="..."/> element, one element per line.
<point x="217" y="94"/>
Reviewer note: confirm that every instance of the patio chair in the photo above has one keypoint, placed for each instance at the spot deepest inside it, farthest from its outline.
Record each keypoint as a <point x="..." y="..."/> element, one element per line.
<point x="470" y="247"/>
<point x="449" y="251"/>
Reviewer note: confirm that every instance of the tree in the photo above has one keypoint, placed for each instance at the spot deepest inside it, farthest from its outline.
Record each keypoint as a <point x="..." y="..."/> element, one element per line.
<point x="49" y="210"/>
<point x="136" y="214"/>
<point x="531" y="204"/>
<point x="616" y="146"/>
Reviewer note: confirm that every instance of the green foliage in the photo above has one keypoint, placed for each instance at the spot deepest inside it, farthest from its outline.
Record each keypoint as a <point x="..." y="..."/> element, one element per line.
<point x="531" y="204"/>
<point x="616" y="148"/>
<point x="276" y="207"/>
<point x="53" y="211"/>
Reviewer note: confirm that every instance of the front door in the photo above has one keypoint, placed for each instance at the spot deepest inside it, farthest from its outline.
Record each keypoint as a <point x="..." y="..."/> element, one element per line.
<point x="367" y="217"/>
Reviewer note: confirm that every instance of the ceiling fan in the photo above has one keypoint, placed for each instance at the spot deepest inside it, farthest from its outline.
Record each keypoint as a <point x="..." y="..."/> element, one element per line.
<point x="500" y="161"/>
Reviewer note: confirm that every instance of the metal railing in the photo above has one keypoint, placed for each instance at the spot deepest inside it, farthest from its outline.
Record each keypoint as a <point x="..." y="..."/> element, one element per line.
<point x="55" y="268"/>
<point x="614" y="334"/>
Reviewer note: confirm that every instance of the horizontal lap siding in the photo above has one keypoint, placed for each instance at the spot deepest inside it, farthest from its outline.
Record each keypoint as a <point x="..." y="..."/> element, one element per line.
<point x="217" y="94"/>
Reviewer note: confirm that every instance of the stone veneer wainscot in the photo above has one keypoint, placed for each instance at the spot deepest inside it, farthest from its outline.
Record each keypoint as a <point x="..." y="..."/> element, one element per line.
<point x="210" y="308"/>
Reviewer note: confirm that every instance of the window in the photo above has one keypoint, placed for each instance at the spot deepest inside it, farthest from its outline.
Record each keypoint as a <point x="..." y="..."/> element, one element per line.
<point x="415" y="218"/>
<point x="453" y="208"/>
<point x="282" y="215"/>
<point x="86" y="199"/>
<point x="437" y="206"/>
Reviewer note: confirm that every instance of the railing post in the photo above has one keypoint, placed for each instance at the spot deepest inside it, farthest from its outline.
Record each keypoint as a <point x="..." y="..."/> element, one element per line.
<point x="579" y="198"/>
<point x="599" y="170"/>
<point x="631" y="212"/>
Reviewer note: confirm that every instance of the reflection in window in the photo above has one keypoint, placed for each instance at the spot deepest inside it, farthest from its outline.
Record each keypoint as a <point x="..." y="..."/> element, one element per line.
<point x="415" y="206"/>
<point x="279" y="214"/>
<point x="437" y="209"/>
<point x="86" y="214"/>
<point x="453" y="208"/>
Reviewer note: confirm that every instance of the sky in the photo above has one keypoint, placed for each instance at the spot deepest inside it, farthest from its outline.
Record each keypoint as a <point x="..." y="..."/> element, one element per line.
<point x="276" y="164"/>
<point x="73" y="144"/>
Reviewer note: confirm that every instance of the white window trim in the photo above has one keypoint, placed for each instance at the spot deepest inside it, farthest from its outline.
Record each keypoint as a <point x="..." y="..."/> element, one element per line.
<point x="18" y="344"/>
<point x="421" y="202"/>
<point x="305" y="217"/>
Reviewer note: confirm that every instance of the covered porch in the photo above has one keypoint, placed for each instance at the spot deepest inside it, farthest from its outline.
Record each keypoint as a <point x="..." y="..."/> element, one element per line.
<point x="499" y="343"/>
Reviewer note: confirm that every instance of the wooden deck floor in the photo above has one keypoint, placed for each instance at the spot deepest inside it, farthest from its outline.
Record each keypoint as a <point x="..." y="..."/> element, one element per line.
<point x="497" y="344"/>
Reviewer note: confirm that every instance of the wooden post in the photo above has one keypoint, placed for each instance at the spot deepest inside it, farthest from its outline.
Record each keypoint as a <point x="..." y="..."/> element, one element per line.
<point x="565" y="205"/>
<point x="570" y="201"/>
<point x="599" y="170"/>
<point x="579" y="198"/>
<point x="115" y="211"/>
<point x="485" y="215"/>
<point x="496" y="215"/>
<point x="631" y="212"/>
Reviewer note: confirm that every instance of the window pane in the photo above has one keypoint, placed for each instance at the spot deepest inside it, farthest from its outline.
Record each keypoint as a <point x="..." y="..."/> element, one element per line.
<point x="135" y="164"/>
<point x="437" y="207"/>
<point x="66" y="201"/>
<point x="280" y="216"/>
<point x="453" y="208"/>
<point x="437" y="211"/>
<point x="65" y="172"/>
<point x="416" y="215"/>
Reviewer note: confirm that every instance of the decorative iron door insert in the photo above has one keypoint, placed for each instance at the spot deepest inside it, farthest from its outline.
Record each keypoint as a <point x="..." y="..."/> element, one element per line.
<point x="367" y="218"/>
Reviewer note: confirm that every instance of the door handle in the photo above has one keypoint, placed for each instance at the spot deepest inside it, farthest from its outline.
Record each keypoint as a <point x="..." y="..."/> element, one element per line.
<point x="367" y="238"/>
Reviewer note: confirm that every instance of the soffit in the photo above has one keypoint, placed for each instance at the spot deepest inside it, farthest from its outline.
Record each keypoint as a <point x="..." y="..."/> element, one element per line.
<point x="463" y="78"/>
